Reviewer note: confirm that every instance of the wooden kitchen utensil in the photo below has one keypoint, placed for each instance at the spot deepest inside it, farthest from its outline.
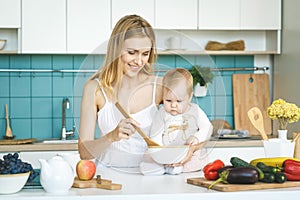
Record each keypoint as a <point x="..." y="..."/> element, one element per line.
<point x="256" y="119"/>
<point x="250" y="90"/>
<point x="8" y="134"/>
<point x="146" y="138"/>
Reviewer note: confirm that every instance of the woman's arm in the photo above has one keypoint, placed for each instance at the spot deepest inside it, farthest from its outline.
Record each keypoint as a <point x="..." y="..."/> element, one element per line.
<point x="87" y="146"/>
<point x="92" y="101"/>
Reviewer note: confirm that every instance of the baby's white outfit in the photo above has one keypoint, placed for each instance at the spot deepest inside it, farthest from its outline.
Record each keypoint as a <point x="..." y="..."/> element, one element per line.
<point x="125" y="153"/>
<point x="167" y="130"/>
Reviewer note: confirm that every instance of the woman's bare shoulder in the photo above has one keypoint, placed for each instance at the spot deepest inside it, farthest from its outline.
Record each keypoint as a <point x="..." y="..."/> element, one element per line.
<point x="90" y="85"/>
<point x="93" y="91"/>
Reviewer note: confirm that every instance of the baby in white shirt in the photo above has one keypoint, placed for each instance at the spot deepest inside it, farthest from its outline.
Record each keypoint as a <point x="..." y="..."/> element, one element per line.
<point x="179" y="122"/>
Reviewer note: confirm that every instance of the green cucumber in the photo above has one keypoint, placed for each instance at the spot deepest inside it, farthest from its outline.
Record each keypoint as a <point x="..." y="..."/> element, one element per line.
<point x="280" y="177"/>
<point x="268" y="177"/>
<point x="268" y="169"/>
<point x="237" y="162"/>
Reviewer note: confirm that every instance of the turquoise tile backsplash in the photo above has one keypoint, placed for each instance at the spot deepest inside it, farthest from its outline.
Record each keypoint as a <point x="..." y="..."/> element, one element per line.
<point x="35" y="99"/>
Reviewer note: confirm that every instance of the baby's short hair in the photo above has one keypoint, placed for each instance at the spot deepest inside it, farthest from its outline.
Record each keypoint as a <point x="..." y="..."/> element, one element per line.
<point x="174" y="76"/>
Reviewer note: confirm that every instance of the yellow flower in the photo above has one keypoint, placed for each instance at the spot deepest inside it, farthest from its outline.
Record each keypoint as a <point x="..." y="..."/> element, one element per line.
<point x="284" y="112"/>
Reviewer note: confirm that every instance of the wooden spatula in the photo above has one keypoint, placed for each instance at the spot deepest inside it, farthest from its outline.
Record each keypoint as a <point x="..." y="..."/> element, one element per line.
<point x="256" y="119"/>
<point x="9" y="133"/>
<point x="146" y="138"/>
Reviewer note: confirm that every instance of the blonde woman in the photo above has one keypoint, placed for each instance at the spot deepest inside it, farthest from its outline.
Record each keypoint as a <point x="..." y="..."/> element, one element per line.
<point x="179" y="122"/>
<point x="126" y="76"/>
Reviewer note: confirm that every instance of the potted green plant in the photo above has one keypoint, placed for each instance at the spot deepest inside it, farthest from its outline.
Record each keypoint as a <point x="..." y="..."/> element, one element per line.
<point x="202" y="76"/>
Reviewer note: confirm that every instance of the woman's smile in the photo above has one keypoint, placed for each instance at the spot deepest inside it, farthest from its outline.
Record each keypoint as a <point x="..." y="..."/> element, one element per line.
<point x="136" y="53"/>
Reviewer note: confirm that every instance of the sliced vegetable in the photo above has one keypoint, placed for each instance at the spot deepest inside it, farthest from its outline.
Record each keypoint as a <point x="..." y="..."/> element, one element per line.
<point x="237" y="175"/>
<point x="238" y="162"/>
<point x="211" y="169"/>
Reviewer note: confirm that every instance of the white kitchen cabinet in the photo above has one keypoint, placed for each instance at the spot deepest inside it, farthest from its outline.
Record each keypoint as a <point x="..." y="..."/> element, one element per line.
<point x="261" y="14"/>
<point x="44" y="26"/>
<point x="88" y="25"/>
<point x="240" y="14"/>
<point x="120" y="8"/>
<point x="219" y="14"/>
<point x="10" y="24"/>
<point x="10" y="13"/>
<point x="176" y="14"/>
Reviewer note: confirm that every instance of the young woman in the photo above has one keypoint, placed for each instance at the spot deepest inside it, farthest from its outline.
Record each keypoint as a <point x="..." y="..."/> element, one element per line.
<point x="126" y="76"/>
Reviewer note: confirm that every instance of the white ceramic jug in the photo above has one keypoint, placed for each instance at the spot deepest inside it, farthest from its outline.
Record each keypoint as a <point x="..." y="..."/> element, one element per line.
<point x="56" y="175"/>
<point x="72" y="159"/>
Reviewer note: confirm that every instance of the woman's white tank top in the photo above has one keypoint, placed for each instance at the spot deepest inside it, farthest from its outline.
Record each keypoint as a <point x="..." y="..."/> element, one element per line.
<point x="125" y="153"/>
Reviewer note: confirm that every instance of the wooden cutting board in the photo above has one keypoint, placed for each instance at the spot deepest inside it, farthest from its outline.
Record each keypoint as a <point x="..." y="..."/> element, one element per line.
<point x="105" y="184"/>
<point x="19" y="141"/>
<point x="241" y="187"/>
<point x="250" y="90"/>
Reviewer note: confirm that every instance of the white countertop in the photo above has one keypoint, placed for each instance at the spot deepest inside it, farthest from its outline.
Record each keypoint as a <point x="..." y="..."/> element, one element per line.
<point x="137" y="187"/>
<point x="72" y="147"/>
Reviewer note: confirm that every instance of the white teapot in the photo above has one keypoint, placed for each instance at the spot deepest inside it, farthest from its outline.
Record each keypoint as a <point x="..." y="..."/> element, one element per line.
<point x="56" y="175"/>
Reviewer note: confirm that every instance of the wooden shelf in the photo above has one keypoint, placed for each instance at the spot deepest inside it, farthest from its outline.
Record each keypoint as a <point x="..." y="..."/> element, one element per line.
<point x="188" y="52"/>
<point x="8" y="52"/>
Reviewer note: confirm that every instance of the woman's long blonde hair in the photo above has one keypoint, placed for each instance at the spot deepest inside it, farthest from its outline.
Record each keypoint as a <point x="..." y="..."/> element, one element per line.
<point x="110" y="73"/>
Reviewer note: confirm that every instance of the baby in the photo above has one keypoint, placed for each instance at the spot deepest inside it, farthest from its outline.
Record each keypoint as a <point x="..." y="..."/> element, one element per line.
<point x="179" y="122"/>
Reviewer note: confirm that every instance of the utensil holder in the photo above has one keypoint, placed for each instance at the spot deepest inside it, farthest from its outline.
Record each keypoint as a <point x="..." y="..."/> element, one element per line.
<point x="277" y="148"/>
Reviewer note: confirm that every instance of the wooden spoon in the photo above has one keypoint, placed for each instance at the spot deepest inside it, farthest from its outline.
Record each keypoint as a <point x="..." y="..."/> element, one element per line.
<point x="8" y="134"/>
<point x="256" y="119"/>
<point x="146" y="138"/>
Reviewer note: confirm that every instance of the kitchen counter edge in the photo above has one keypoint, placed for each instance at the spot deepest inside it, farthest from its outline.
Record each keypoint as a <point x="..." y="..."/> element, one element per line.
<point x="74" y="147"/>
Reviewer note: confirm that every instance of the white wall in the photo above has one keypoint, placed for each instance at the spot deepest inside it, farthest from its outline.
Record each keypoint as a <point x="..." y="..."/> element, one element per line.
<point x="287" y="64"/>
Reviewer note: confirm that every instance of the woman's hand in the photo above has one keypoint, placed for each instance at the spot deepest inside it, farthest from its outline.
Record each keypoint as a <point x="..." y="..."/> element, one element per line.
<point x="124" y="130"/>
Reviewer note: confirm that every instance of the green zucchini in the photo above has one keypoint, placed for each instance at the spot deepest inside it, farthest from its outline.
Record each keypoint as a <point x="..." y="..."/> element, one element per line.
<point x="280" y="177"/>
<point x="268" y="177"/>
<point x="237" y="162"/>
<point x="266" y="168"/>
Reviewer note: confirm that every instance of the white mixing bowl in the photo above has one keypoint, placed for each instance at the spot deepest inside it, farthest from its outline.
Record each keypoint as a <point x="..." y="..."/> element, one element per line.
<point x="168" y="154"/>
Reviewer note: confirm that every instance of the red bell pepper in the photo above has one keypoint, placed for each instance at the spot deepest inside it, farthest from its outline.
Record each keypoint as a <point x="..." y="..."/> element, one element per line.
<point x="292" y="177"/>
<point x="291" y="169"/>
<point x="289" y="161"/>
<point x="211" y="169"/>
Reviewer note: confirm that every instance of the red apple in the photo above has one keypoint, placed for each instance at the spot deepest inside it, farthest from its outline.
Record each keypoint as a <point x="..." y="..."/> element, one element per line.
<point x="85" y="170"/>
